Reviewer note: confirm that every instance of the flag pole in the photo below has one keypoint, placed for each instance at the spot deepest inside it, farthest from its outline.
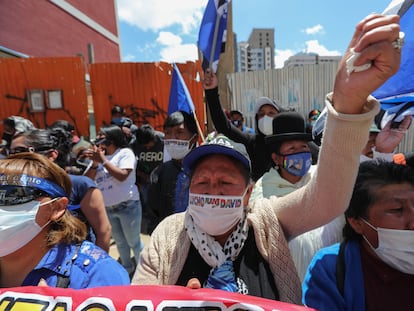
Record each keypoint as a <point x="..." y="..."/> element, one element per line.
<point x="200" y="132"/>
<point x="214" y="43"/>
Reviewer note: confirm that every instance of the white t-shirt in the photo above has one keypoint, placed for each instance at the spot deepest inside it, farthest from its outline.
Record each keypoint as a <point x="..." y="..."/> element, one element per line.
<point x="113" y="190"/>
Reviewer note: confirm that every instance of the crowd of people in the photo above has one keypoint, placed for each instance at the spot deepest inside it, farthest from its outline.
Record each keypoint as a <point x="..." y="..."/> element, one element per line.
<point x="264" y="211"/>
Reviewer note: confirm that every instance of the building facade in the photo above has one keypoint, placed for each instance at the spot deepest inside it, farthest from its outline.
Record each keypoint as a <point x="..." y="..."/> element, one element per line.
<point x="258" y="53"/>
<point x="301" y="59"/>
<point x="52" y="28"/>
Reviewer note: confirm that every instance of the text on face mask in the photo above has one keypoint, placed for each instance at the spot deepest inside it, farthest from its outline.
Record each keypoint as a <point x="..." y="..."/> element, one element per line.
<point x="214" y="202"/>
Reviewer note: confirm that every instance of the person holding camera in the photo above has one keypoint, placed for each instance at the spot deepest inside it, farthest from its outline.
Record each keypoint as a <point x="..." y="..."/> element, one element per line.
<point x="113" y="170"/>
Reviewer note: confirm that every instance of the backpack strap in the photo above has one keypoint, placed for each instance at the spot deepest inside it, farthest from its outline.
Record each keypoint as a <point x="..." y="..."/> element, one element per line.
<point x="341" y="268"/>
<point x="63" y="281"/>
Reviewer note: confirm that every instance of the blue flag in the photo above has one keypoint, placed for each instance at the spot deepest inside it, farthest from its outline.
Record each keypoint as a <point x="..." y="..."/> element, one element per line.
<point x="397" y="94"/>
<point x="402" y="83"/>
<point x="180" y="98"/>
<point x="212" y="34"/>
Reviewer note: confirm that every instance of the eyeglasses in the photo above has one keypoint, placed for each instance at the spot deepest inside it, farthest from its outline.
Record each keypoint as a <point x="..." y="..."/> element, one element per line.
<point x="13" y="195"/>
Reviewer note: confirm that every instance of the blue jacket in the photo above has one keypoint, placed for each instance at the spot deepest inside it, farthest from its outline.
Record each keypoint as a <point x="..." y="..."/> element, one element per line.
<point x="320" y="290"/>
<point x="86" y="266"/>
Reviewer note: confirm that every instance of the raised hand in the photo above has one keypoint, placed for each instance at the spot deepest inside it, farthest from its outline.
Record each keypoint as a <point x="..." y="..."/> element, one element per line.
<point x="210" y="80"/>
<point x="373" y="39"/>
<point x="389" y="138"/>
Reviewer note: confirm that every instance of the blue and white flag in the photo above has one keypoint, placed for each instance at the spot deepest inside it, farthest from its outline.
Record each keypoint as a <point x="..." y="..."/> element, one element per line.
<point x="402" y="83"/>
<point x="180" y="98"/>
<point x="212" y="34"/>
<point x="396" y="95"/>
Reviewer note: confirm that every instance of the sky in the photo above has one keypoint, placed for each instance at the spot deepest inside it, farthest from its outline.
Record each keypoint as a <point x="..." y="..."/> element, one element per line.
<point x="167" y="30"/>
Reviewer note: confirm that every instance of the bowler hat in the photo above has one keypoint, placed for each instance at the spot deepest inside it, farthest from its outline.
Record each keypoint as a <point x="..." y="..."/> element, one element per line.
<point x="288" y="126"/>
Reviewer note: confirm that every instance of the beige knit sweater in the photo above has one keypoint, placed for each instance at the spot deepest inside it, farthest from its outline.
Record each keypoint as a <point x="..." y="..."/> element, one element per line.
<point x="277" y="220"/>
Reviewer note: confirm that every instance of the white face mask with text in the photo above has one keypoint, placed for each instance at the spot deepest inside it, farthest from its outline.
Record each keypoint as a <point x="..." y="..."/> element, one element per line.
<point x="216" y="214"/>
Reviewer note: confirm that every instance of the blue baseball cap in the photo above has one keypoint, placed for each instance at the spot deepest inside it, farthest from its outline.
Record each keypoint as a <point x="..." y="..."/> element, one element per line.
<point x="218" y="145"/>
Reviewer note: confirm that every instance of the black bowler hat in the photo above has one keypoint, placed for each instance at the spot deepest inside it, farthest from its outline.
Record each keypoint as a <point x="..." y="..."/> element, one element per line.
<point x="288" y="126"/>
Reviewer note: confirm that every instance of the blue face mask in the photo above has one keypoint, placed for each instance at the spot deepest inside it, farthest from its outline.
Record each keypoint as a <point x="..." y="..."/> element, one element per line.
<point x="297" y="164"/>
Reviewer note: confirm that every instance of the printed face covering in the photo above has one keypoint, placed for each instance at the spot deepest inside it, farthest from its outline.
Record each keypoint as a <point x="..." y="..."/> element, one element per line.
<point x="216" y="214"/>
<point x="297" y="164"/>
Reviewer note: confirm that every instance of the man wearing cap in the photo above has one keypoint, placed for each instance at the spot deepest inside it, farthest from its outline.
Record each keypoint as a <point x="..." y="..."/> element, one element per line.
<point x="221" y="241"/>
<point x="265" y="109"/>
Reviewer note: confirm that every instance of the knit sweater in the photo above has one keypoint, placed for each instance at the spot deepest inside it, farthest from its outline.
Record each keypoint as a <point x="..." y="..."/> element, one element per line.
<point x="278" y="219"/>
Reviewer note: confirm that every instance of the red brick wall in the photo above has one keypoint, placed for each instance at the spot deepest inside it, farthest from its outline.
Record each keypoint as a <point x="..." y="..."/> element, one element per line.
<point x="39" y="28"/>
<point x="102" y="12"/>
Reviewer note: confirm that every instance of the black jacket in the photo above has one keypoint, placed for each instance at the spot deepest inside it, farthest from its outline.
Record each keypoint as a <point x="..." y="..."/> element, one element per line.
<point x="161" y="192"/>
<point x="259" y="152"/>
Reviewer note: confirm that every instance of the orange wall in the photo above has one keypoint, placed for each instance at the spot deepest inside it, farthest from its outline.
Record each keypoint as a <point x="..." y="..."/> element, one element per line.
<point x="143" y="89"/>
<point x="64" y="73"/>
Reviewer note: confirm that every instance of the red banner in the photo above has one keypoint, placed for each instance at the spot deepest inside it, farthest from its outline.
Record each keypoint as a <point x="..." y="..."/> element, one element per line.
<point x="133" y="298"/>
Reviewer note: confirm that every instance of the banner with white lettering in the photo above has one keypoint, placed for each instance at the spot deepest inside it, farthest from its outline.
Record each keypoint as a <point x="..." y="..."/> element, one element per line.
<point x="134" y="298"/>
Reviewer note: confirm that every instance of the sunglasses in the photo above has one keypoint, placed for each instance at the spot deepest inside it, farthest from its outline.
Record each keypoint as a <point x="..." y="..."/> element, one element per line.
<point x="13" y="195"/>
<point x="21" y="149"/>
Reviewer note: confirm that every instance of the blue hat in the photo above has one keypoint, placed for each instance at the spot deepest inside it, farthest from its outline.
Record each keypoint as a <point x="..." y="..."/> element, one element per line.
<point x="218" y="145"/>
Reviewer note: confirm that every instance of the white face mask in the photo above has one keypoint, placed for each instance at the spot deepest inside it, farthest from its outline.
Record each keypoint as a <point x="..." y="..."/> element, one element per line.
<point x="18" y="225"/>
<point x="265" y="125"/>
<point x="395" y="248"/>
<point x="177" y="148"/>
<point x="215" y="214"/>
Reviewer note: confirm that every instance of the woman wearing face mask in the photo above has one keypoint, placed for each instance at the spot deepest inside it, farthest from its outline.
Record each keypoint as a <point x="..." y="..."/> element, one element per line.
<point x="168" y="191"/>
<point x="40" y="240"/>
<point x="290" y="155"/>
<point x="265" y="110"/>
<point x="113" y="170"/>
<point x="292" y="170"/>
<point x="85" y="200"/>
<point x="373" y="269"/>
<point x="224" y="242"/>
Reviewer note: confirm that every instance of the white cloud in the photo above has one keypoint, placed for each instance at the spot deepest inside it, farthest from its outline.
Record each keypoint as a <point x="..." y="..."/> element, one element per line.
<point x="168" y="38"/>
<point x="314" y="30"/>
<point x="173" y="50"/>
<point x="281" y="56"/>
<point x="179" y="53"/>
<point x="313" y="46"/>
<point x="158" y="14"/>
